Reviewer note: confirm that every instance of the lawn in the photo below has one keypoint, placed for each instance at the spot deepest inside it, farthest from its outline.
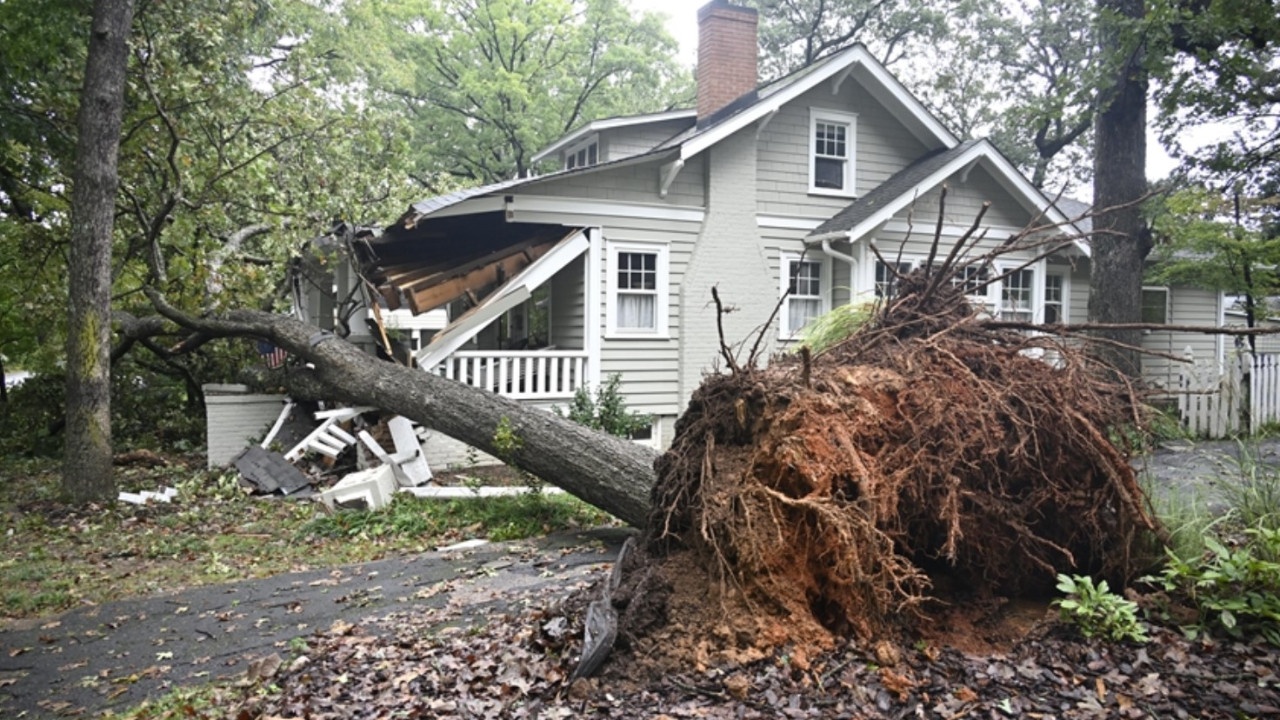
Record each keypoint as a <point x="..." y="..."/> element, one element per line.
<point x="55" y="557"/>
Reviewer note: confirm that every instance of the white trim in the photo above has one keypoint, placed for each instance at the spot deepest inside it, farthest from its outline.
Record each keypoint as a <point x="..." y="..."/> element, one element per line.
<point x="584" y="144"/>
<point x="612" y="208"/>
<point x="927" y="229"/>
<point x="610" y="123"/>
<point x="850" y="123"/>
<point x="1065" y="274"/>
<point x="667" y="174"/>
<point x="515" y="291"/>
<point x="591" y="312"/>
<point x="785" y="258"/>
<point x="929" y="130"/>
<point x="1003" y="172"/>
<point x="1037" y="286"/>
<point x="784" y="222"/>
<point x="662" y="290"/>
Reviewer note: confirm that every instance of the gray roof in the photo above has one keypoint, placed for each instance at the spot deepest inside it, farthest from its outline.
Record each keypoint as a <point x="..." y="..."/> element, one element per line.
<point x="903" y="181"/>
<point x="1074" y="209"/>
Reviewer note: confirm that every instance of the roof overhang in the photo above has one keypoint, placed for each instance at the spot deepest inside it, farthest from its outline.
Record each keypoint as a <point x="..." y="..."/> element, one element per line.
<point x="854" y="61"/>
<point x="1045" y="215"/>
<point x="506" y="297"/>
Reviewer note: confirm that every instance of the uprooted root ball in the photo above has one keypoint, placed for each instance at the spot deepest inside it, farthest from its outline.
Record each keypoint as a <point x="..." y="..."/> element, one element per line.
<point x="811" y="500"/>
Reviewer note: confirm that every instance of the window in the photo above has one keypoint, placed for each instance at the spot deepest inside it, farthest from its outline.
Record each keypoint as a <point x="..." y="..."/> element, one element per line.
<point x="1055" y="297"/>
<point x="638" y="298"/>
<point x="1017" y="296"/>
<point x="584" y="154"/>
<point x="831" y="158"/>
<point x="886" y="281"/>
<point x="802" y="282"/>
<point x="1155" y="305"/>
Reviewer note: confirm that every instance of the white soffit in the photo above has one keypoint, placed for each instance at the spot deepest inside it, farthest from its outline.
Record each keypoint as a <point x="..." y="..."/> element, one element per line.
<point x="510" y="295"/>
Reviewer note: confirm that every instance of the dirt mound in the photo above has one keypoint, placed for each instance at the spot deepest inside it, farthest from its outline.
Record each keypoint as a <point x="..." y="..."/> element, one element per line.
<point x="928" y="455"/>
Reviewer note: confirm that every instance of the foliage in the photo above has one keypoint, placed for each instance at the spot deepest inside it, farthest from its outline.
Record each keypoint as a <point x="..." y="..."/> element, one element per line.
<point x="1217" y="64"/>
<point x="1097" y="611"/>
<point x="835" y="325"/>
<point x="797" y="34"/>
<point x="488" y="83"/>
<point x="1253" y="494"/>
<point x="606" y="411"/>
<point x="53" y="557"/>
<point x="1235" y="587"/>
<point x="1218" y="242"/>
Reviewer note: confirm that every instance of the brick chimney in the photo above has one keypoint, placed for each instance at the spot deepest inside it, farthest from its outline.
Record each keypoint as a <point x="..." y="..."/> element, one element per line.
<point x="726" y="55"/>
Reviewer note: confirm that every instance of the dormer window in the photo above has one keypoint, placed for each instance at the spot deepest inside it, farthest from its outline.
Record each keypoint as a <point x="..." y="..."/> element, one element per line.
<point x="831" y="152"/>
<point x="584" y="154"/>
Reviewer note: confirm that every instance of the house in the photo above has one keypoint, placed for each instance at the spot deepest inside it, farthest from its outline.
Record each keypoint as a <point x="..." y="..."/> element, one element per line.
<point x="536" y="286"/>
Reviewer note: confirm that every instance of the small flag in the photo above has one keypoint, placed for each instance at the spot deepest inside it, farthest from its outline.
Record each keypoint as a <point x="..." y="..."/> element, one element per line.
<point x="272" y="355"/>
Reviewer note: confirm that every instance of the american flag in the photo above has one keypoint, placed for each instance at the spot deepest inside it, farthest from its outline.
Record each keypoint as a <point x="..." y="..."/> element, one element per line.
<point x="272" y="355"/>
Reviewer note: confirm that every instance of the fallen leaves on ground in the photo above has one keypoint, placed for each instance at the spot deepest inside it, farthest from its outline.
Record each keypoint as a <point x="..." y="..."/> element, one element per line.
<point x="516" y="664"/>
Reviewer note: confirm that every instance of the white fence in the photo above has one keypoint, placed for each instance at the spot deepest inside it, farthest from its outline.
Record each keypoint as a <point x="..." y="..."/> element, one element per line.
<point x="1245" y="395"/>
<point x="519" y="374"/>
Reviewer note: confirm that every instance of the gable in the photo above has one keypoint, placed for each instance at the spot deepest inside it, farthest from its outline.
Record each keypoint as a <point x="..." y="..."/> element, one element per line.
<point x="881" y="145"/>
<point x="965" y="197"/>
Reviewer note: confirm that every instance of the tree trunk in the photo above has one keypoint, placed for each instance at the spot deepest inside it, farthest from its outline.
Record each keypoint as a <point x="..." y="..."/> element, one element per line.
<point x="1121" y="240"/>
<point x="611" y="473"/>
<point x="86" y="472"/>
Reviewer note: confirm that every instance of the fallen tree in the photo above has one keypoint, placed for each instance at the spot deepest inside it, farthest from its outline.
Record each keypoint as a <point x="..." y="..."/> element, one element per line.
<point x="611" y="473"/>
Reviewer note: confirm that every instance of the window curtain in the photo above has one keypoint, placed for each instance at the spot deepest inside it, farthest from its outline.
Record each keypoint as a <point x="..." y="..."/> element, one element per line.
<point x="800" y="311"/>
<point x="637" y="312"/>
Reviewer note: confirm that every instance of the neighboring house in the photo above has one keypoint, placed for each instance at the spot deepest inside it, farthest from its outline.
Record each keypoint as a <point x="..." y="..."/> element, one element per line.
<point x="536" y="286"/>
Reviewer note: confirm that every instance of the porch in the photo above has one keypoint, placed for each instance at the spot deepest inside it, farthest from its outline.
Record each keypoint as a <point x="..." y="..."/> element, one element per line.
<point x="519" y="374"/>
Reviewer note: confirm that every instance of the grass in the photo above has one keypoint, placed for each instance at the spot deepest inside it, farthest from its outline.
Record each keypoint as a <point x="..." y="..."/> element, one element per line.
<point x="53" y="557"/>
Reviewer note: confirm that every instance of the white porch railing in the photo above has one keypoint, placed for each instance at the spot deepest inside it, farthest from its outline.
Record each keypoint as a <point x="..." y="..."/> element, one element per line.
<point x="519" y="374"/>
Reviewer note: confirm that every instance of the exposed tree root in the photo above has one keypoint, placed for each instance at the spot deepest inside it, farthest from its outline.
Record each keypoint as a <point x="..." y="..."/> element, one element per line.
<point x="826" y="497"/>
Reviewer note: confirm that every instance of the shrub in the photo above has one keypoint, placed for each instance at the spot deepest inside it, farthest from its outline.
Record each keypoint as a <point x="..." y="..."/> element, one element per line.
<point x="1234" y="588"/>
<point x="606" y="411"/>
<point x="1097" y="611"/>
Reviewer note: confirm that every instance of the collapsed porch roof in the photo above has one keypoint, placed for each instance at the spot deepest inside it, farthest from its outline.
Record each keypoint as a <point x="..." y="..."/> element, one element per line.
<point x="508" y="296"/>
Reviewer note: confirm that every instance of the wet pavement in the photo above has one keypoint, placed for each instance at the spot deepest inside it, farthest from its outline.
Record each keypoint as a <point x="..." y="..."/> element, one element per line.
<point x="115" y="655"/>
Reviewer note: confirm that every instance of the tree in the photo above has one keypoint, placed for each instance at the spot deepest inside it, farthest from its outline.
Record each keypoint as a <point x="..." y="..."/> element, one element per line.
<point x="796" y="33"/>
<point x="488" y="83"/>
<point x="1226" y="243"/>
<point x="1121" y="239"/>
<point x="86" y="471"/>
<point x="612" y="473"/>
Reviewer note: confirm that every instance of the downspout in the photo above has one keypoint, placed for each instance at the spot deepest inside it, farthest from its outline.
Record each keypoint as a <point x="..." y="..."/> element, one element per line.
<point x="851" y="260"/>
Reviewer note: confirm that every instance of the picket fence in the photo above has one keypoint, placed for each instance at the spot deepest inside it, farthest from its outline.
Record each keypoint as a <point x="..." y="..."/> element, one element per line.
<point x="1243" y="395"/>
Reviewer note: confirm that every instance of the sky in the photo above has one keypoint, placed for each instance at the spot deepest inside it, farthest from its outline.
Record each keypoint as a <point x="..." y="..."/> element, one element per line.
<point x="682" y="23"/>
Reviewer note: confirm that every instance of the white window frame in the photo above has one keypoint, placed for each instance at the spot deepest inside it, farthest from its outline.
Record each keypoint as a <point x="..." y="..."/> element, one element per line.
<point x="1168" y="304"/>
<point x="662" y="309"/>
<point x="582" y="146"/>
<point x="1064" y="316"/>
<point x="785" y="332"/>
<point x="1036" y="304"/>
<point x="903" y="265"/>
<point x="833" y="117"/>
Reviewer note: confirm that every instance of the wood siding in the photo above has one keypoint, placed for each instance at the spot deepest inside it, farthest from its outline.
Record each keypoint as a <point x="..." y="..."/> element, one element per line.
<point x="635" y="183"/>
<point x="1187" y="306"/>
<point x="882" y="147"/>
<point x="964" y="201"/>
<point x="623" y="142"/>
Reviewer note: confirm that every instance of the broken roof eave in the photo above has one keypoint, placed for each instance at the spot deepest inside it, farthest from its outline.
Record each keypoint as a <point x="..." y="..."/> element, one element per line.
<point x="508" y="296"/>
<point x="1003" y="172"/>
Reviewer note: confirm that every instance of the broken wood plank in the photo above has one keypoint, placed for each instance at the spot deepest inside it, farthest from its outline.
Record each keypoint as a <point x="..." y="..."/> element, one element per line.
<point x="439" y="293"/>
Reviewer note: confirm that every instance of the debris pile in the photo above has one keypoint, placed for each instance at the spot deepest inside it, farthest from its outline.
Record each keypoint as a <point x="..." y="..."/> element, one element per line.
<point x="928" y="455"/>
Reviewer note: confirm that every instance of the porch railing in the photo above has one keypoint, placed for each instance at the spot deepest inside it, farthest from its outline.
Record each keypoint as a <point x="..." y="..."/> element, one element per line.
<point x="519" y="374"/>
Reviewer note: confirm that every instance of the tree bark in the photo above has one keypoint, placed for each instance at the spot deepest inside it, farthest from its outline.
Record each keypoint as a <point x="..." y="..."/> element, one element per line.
<point x="611" y="473"/>
<point x="1121" y="240"/>
<point x="87" y="472"/>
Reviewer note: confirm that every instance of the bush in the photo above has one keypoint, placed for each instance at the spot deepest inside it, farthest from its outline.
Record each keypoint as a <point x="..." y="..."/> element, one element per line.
<point x="1234" y="588"/>
<point x="1097" y="611"/>
<point x="607" y="411"/>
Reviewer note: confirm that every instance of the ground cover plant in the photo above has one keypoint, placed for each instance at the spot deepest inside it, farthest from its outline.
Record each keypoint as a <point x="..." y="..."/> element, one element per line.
<point x="53" y="557"/>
